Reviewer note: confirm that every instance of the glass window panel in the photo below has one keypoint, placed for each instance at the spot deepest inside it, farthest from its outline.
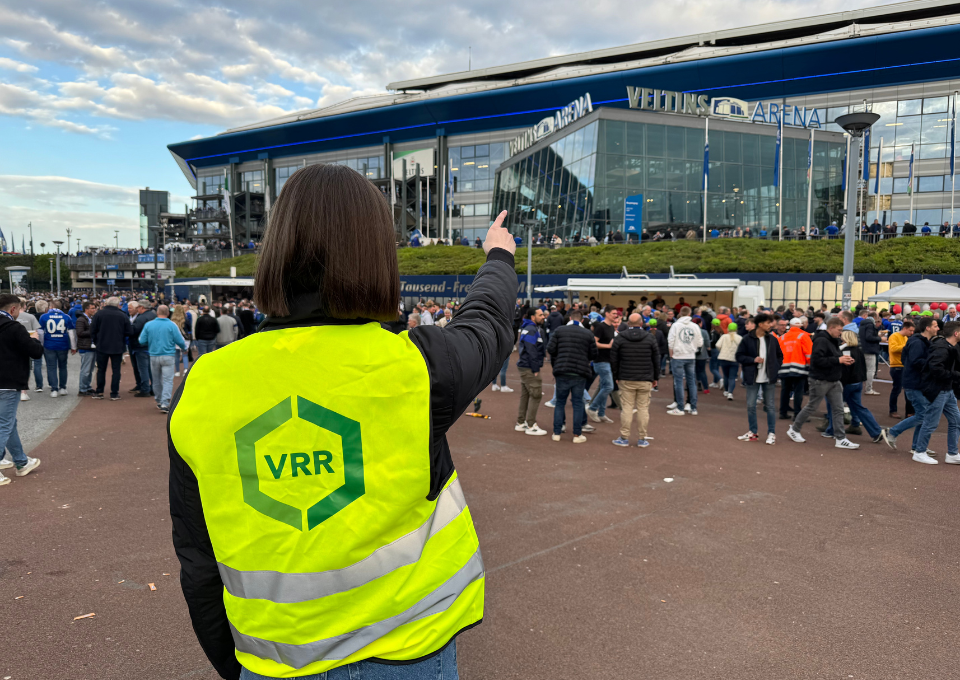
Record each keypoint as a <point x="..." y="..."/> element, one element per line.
<point x="909" y="107"/>
<point x="654" y="207"/>
<point x="590" y="139"/>
<point x="694" y="143"/>
<point x="768" y="150"/>
<point x="467" y="210"/>
<point x="694" y="172"/>
<point x="934" y="129"/>
<point x="933" y="217"/>
<point x="900" y="185"/>
<point x="656" y="140"/>
<point x="751" y="149"/>
<point x="466" y="152"/>
<point x="482" y="209"/>
<point x="635" y="139"/>
<point x="732" y="182"/>
<point x="577" y="145"/>
<point x="482" y="150"/>
<point x="676" y="180"/>
<point x="933" y="151"/>
<point x="715" y="179"/>
<point x="468" y="171"/>
<point x="731" y="147"/>
<point x="613" y="137"/>
<point x="614" y="172"/>
<point x="676" y="207"/>
<point x="675" y="137"/>
<point x="935" y="104"/>
<point x="655" y="173"/>
<point x="634" y="173"/>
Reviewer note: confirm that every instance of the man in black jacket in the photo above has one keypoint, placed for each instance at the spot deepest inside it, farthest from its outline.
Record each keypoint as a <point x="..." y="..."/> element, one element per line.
<point x="941" y="381"/>
<point x="109" y="331"/>
<point x="914" y="356"/>
<point x="760" y="357"/>
<point x="635" y="361"/>
<point x="870" y="346"/>
<point x="826" y="362"/>
<point x="205" y="332"/>
<point x="17" y="347"/>
<point x="85" y="347"/>
<point x="532" y="353"/>
<point x="139" y="353"/>
<point x="571" y="350"/>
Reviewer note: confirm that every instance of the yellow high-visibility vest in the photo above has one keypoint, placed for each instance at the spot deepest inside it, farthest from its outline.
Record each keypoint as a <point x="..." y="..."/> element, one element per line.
<point x="311" y="449"/>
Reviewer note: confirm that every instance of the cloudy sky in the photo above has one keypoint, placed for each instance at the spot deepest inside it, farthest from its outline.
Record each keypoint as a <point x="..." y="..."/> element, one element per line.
<point x="92" y="92"/>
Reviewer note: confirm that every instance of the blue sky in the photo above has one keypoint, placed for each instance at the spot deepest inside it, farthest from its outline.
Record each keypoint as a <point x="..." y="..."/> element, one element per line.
<point x="91" y="93"/>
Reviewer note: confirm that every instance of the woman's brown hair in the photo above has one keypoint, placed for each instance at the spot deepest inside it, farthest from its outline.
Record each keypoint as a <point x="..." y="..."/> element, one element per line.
<point x="331" y="234"/>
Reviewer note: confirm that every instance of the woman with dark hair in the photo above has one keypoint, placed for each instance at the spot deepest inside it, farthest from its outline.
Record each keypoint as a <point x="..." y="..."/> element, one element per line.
<point x="318" y="519"/>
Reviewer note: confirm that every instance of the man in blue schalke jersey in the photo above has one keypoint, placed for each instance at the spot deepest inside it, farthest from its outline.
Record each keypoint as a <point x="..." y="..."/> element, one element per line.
<point x="59" y="338"/>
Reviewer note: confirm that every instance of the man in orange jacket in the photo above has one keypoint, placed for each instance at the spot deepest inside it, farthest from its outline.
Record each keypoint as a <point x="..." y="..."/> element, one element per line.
<point x="796" y="345"/>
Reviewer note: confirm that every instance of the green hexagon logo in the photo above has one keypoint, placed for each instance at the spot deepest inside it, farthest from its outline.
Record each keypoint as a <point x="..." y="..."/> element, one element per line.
<point x="334" y="501"/>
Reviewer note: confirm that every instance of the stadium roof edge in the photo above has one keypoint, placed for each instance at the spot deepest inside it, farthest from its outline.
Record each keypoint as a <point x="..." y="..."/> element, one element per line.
<point x="761" y="33"/>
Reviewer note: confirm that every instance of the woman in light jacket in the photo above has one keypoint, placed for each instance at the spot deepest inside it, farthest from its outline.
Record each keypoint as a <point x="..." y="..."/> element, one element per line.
<point x="727" y="346"/>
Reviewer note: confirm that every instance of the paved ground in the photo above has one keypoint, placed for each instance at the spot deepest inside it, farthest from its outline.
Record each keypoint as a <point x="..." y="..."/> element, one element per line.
<point x="42" y="414"/>
<point x="792" y="561"/>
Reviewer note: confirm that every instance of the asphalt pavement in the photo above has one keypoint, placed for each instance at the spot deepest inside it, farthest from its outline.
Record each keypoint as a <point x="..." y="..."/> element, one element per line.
<point x="699" y="557"/>
<point x="43" y="414"/>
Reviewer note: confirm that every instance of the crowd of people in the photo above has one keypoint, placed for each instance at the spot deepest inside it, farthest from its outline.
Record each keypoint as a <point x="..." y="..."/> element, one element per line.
<point x="829" y="356"/>
<point x="157" y="339"/>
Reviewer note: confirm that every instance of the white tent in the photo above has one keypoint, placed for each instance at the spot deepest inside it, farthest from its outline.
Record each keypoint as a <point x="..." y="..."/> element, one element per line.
<point x="925" y="290"/>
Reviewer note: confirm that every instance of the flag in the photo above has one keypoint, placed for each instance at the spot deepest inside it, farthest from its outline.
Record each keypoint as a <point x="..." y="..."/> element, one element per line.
<point x="953" y="133"/>
<point x="810" y="158"/>
<point x="843" y="179"/>
<point x="706" y="161"/>
<point x="866" y="158"/>
<point x="226" y="192"/>
<point x="876" y="185"/>
<point x="910" y="175"/>
<point x="23" y="245"/>
<point x="3" y="242"/>
<point x="776" y="157"/>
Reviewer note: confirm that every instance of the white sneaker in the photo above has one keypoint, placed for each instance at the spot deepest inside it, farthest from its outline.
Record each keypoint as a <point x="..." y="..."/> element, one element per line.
<point x="579" y="439"/>
<point x="873" y="393"/>
<point x="672" y="405"/>
<point x="952" y="460"/>
<point x="592" y="415"/>
<point x="4" y="480"/>
<point x="506" y="389"/>
<point x="713" y="386"/>
<point x="521" y="427"/>
<point x="794" y="435"/>
<point x="536" y="431"/>
<point x="924" y="458"/>
<point x="747" y="436"/>
<point x="605" y="419"/>
<point x="5" y="463"/>
<point x="551" y="404"/>
<point x="771" y="438"/>
<point x="496" y="387"/>
<point x="54" y="394"/>
<point x="587" y="428"/>
<point x="729" y="397"/>
<point x="846" y="444"/>
<point x="687" y="408"/>
<point x="693" y="412"/>
<point x="24" y="396"/>
<point x="31" y="465"/>
<point x="555" y="437"/>
<point x="720" y="384"/>
<point x="63" y="391"/>
<point x="177" y="374"/>
<point x="676" y="412"/>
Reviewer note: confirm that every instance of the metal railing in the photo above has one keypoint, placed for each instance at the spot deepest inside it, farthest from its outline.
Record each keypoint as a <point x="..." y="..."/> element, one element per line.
<point x="173" y="258"/>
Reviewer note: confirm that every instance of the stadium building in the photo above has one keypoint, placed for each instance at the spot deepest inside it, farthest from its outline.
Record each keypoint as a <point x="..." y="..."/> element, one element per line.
<point x="613" y="140"/>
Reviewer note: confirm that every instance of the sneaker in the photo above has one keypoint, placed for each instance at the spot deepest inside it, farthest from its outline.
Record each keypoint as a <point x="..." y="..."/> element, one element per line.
<point x="672" y="405"/>
<point x="749" y="437"/>
<point x="579" y="439"/>
<point x="706" y="391"/>
<point x="63" y="391"/>
<point x="846" y="444"/>
<point x="177" y="374"/>
<point x="620" y="441"/>
<point x="97" y="395"/>
<point x="889" y="438"/>
<point x="877" y="439"/>
<point x="605" y="419"/>
<point x="643" y="443"/>
<point x="693" y="412"/>
<point x="39" y="389"/>
<point x="551" y="404"/>
<point x="729" y="397"/>
<point x="5" y="464"/>
<point x="535" y="431"/>
<point x="142" y="394"/>
<point x="720" y="384"/>
<point x="555" y="437"/>
<point x="165" y="410"/>
<point x="496" y="387"/>
<point x="687" y="408"/>
<point x="873" y="393"/>
<point x="54" y="394"/>
<point x="592" y="415"/>
<point x="30" y="466"/>
<point x="135" y="389"/>
<point x="588" y="428"/>
<point x="895" y="416"/>
<point x="675" y="412"/>
<point x="771" y="439"/>
<point x="713" y="385"/>
<point x="952" y="460"/>
<point x="4" y="480"/>
<point x="795" y="436"/>
<point x="854" y="430"/>
<point x="827" y="435"/>
<point x="116" y="398"/>
<point x="506" y="389"/>
<point x="24" y="396"/>
<point x="918" y="457"/>
<point x="521" y="427"/>
<point x="656" y="389"/>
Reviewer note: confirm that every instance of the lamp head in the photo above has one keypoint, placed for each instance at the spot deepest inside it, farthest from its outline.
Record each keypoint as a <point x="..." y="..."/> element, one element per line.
<point x="856" y="123"/>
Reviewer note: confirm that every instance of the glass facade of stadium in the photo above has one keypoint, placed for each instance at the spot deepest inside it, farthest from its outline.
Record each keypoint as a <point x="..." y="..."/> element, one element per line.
<point x="574" y="182"/>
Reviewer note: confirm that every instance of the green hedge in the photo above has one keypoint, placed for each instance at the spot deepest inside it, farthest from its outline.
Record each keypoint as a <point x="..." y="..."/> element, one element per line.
<point x="931" y="255"/>
<point x="38" y="278"/>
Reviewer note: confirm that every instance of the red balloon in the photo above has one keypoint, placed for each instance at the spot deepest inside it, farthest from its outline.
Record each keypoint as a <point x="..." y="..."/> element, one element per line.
<point x="896" y="309"/>
<point x="943" y="306"/>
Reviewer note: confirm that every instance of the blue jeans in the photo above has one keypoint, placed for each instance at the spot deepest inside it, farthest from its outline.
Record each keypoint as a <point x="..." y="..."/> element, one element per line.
<point x="87" y="360"/>
<point x="858" y="412"/>
<point x="183" y="356"/>
<point x="142" y="357"/>
<point x="599" y="402"/>
<point x="56" y="359"/>
<point x="715" y="365"/>
<point x="573" y="386"/>
<point x="503" y="372"/>
<point x="162" y="369"/>
<point x="442" y="666"/>
<point x="9" y="437"/>
<point x="769" y="394"/>
<point x="920" y="406"/>
<point x="945" y="403"/>
<point x="702" y="374"/>
<point x="729" y="370"/>
<point x="38" y="373"/>
<point x="681" y="368"/>
<point x="205" y="346"/>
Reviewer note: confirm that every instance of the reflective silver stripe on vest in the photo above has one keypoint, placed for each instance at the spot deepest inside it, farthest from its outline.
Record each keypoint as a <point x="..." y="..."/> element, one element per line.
<point x="288" y="588"/>
<point x="342" y="646"/>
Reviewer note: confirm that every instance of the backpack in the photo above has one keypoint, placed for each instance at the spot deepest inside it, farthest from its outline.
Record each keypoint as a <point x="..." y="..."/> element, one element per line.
<point x="187" y="326"/>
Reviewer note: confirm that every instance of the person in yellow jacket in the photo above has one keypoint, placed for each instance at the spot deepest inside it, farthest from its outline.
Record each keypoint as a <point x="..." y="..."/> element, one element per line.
<point x="319" y="520"/>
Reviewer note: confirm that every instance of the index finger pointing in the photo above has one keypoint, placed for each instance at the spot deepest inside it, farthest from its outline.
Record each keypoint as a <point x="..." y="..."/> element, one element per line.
<point x="500" y="218"/>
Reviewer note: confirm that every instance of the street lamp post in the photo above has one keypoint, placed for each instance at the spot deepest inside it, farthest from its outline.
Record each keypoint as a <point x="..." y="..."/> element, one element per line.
<point x="30" y="227"/>
<point x="51" y="273"/>
<point x="93" y="251"/>
<point x="116" y="238"/>
<point x="854" y="124"/>
<point x="59" y="243"/>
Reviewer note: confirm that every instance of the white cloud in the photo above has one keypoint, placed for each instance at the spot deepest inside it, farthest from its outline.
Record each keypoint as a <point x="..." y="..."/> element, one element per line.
<point x="19" y="66"/>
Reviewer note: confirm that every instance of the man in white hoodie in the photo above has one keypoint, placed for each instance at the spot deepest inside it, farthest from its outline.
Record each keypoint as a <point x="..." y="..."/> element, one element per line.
<point x="684" y="341"/>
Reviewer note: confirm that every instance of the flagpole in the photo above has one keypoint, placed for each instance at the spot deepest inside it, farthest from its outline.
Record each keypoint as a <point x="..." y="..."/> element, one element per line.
<point x="953" y="151"/>
<point x="846" y="175"/>
<point x="810" y="186"/>
<point x="910" y="185"/>
<point x="450" y="202"/>
<point x="780" y="174"/>
<point x="706" y="172"/>
<point x="227" y="199"/>
<point x="864" y="172"/>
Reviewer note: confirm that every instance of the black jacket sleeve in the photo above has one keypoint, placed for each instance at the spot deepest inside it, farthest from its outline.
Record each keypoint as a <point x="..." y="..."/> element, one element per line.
<point x="95" y="329"/>
<point x="464" y="356"/>
<point x="199" y="577"/>
<point x="615" y="357"/>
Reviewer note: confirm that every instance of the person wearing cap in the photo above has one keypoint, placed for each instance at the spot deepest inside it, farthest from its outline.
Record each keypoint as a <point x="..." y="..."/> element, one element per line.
<point x="727" y="358"/>
<point x="796" y="345"/>
<point x="870" y="346"/>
